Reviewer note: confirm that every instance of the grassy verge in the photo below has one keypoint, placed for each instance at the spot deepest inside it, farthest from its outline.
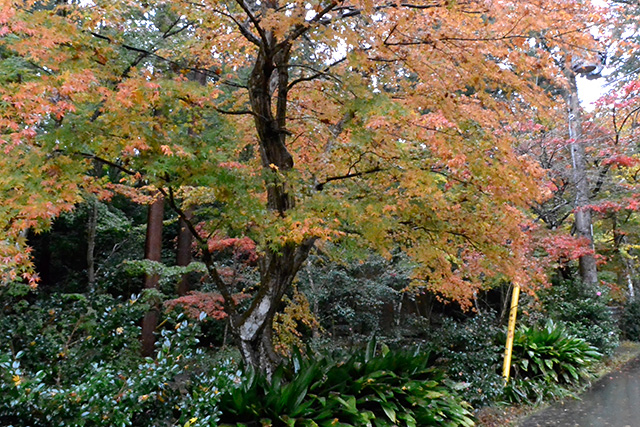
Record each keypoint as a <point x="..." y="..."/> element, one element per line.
<point x="504" y="416"/>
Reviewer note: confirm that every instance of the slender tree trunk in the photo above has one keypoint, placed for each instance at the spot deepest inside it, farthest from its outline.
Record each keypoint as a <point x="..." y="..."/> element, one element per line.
<point x="582" y="214"/>
<point x="153" y="252"/>
<point x="625" y="277"/>
<point x="278" y="268"/>
<point x="628" y="264"/>
<point x="183" y="256"/>
<point x="92" y="228"/>
<point x="185" y="238"/>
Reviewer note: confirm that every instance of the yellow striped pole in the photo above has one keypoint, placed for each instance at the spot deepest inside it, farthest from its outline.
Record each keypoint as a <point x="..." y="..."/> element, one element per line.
<point x="511" y="329"/>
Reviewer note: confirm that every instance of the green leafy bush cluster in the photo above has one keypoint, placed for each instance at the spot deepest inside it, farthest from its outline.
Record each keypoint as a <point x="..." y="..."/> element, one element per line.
<point x="355" y="298"/>
<point x="546" y="362"/>
<point x="583" y="310"/>
<point x="85" y="370"/>
<point x="630" y="321"/>
<point x="365" y="388"/>
<point x="471" y="353"/>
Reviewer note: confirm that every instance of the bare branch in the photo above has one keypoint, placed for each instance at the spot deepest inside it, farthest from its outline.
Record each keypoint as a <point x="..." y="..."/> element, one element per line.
<point x="301" y="29"/>
<point x="318" y="73"/>
<point x="320" y="185"/>
<point x="256" y="24"/>
<point x="243" y="29"/>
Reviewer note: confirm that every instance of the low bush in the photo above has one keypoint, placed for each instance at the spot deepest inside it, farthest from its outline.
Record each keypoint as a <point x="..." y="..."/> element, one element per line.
<point x="546" y="361"/>
<point x="471" y="353"/>
<point x="630" y="322"/>
<point x="393" y="387"/>
<point x="583" y="310"/>
<point x="84" y="369"/>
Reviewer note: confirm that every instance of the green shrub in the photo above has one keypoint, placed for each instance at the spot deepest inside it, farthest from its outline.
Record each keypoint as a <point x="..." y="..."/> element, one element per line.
<point x="546" y="362"/>
<point x="352" y="298"/>
<point x="62" y="334"/>
<point x="396" y="387"/>
<point x="630" y="322"/>
<point x="469" y="352"/>
<point x="100" y="380"/>
<point x="584" y="311"/>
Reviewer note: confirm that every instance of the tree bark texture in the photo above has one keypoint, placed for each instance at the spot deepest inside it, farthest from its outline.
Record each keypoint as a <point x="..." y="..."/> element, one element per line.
<point x="183" y="255"/>
<point x="253" y="329"/>
<point x="581" y="213"/>
<point x="153" y="252"/>
<point x="92" y="226"/>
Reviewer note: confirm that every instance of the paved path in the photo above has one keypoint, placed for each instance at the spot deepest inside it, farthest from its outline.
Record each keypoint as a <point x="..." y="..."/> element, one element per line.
<point x="612" y="401"/>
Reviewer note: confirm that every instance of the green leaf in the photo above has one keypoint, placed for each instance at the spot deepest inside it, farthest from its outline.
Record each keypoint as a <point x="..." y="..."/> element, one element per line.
<point x="389" y="410"/>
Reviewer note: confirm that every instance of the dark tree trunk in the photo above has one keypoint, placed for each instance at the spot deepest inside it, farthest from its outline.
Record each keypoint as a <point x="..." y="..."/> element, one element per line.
<point x="278" y="268"/>
<point x="254" y="328"/>
<point x="183" y="256"/>
<point x="582" y="214"/>
<point x="153" y="252"/>
<point x="92" y="228"/>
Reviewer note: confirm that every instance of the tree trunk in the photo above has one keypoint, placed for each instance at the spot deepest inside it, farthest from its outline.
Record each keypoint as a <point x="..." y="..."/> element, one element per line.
<point x="92" y="228"/>
<point x="153" y="252"/>
<point x="183" y="255"/>
<point x="278" y="268"/>
<point x="581" y="214"/>
<point x="254" y="328"/>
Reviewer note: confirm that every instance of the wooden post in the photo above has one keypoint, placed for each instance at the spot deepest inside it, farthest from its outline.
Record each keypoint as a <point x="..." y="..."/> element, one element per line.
<point x="511" y="329"/>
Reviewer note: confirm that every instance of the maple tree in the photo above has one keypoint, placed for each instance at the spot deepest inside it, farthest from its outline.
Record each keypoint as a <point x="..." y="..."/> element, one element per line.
<point x="383" y="124"/>
<point x="610" y="163"/>
<point x="615" y="195"/>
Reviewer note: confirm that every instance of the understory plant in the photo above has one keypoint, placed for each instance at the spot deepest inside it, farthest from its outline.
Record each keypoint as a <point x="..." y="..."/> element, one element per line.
<point x="470" y="353"/>
<point x="584" y="312"/>
<point x="630" y="322"/>
<point x="364" y="388"/>
<point x="547" y="361"/>
<point x="81" y="371"/>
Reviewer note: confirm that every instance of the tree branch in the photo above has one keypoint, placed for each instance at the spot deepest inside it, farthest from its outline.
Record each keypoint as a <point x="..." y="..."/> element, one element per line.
<point x="256" y="24"/>
<point x="320" y="186"/>
<point x="317" y="74"/>
<point x="245" y="32"/>
<point x="222" y="287"/>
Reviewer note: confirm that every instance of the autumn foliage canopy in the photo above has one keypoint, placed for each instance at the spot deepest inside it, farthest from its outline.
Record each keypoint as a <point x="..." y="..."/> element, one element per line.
<point x="368" y="123"/>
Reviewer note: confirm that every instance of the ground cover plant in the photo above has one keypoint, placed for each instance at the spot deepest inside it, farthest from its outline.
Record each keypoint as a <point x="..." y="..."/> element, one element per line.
<point x="547" y="361"/>
<point x="86" y="370"/>
<point x="356" y="388"/>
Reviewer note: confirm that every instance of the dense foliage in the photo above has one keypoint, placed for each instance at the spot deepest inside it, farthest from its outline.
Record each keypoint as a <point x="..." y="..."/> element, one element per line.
<point x="545" y="361"/>
<point x="583" y="310"/>
<point x="235" y="179"/>
<point x="471" y="352"/>
<point x="75" y="361"/>
<point x="630" y="322"/>
<point x="360" y="388"/>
